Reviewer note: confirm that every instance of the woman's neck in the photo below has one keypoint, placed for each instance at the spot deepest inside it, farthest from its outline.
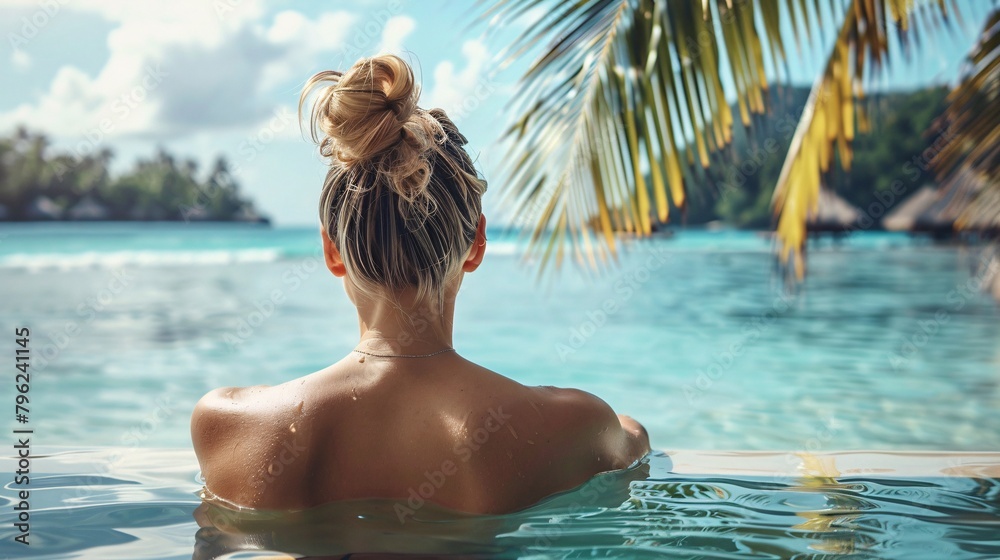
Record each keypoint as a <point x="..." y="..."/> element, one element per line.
<point x="415" y="329"/>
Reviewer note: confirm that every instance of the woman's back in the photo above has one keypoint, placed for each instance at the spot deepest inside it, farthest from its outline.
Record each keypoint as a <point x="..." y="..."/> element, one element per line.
<point x="440" y="429"/>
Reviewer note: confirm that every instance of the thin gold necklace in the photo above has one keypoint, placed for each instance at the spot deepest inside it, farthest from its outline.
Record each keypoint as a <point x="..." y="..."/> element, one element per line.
<point x="373" y="355"/>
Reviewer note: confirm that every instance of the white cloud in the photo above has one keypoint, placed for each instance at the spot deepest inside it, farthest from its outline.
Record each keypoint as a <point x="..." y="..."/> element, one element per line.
<point x="459" y="92"/>
<point x="20" y="59"/>
<point x="73" y="98"/>
<point x="305" y="42"/>
<point x="394" y="33"/>
<point x="177" y="67"/>
<point x="325" y="33"/>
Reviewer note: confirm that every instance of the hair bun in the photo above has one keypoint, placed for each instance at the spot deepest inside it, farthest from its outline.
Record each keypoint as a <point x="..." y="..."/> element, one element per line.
<point x="448" y="127"/>
<point x="369" y="115"/>
<point x="402" y="200"/>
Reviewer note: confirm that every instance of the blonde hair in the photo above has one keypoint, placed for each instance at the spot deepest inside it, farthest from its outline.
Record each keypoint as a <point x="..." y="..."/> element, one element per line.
<point x="402" y="199"/>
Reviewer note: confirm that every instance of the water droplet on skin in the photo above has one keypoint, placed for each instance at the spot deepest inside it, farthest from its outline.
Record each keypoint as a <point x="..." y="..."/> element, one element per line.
<point x="354" y="395"/>
<point x="299" y="408"/>
<point x="271" y="469"/>
<point x="292" y="428"/>
<point x="361" y="360"/>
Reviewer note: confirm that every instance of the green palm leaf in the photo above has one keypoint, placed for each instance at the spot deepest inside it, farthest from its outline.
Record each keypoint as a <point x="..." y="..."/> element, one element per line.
<point x="827" y="125"/>
<point x="624" y="101"/>
<point x="629" y="99"/>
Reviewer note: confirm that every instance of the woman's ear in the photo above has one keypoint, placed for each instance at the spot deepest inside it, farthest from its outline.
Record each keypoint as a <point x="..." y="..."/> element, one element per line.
<point x="478" y="249"/>
<point x="332" y="255"/>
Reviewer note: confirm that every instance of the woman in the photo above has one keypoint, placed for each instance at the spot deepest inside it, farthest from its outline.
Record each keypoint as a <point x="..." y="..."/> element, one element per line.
<point x="403" y="416"/>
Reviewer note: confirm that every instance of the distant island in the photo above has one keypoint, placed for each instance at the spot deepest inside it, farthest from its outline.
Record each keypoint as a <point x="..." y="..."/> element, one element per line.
<point x="37" y="185"/>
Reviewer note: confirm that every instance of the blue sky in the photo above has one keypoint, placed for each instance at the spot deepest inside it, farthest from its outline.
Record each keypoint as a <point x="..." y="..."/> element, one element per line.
<point x="205" y="78"/>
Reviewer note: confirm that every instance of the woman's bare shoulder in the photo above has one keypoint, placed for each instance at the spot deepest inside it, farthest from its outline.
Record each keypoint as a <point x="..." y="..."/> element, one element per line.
<point x="228" y="404"/>
<point x="548" y="403"/>
<point x="231" y="397"/>
<point x="575" y="405"/>
<point x="248" y="446"/>
<point x="221" y="413"/>
<point x="583" y="423"/>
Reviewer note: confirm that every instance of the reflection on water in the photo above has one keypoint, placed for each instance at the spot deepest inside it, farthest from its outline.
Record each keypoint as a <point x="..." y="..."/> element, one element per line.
<point x="372" y="526"/>
<point x="650" y="511"/>
<point x="149" y="508"/>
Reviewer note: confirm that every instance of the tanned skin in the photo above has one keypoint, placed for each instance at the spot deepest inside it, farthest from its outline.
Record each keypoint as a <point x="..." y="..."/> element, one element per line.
<point x="442" y="427"/>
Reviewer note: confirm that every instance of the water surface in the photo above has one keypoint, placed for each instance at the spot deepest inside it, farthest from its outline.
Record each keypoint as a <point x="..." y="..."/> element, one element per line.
<point x="889" y="346"/>
<point x="147" y="507"/>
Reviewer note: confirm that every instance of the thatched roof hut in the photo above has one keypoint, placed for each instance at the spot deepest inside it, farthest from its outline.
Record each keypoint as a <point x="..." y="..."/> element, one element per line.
<point x="834" y="214"/>
<point x="972" y="201"/>
<point x="962" y="204"/>
<point x="921" y="211"/>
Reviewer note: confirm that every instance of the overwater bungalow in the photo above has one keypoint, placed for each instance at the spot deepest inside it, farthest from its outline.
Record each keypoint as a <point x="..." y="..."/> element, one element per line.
<point x="835" y="215"/>
<point x="947" y="211"/>
<point x="921" y="212"/>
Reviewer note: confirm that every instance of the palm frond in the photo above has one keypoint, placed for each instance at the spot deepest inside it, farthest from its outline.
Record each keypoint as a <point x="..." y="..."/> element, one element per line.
<point x="625" y="101"/>
<point x="629" y="100"/>
<point x="968" y="164"/>
<point x="827" y="125"/>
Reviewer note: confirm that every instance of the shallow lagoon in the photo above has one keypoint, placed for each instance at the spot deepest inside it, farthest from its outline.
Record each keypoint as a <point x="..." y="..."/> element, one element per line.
<point x="680" y="505"/>
<point x="886" y="348"/>
<point x="889" y="347"/>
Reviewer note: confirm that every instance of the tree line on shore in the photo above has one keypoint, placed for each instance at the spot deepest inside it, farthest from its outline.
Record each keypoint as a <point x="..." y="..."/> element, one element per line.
<point x="39" y="183"/>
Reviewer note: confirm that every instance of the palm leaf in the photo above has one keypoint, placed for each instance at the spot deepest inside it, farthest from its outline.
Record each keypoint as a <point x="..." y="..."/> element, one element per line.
<point x="624" y="101"/>
<point x="827" y="125"/>
<point x="628" y="100"/>
<point x="968" y="164"/>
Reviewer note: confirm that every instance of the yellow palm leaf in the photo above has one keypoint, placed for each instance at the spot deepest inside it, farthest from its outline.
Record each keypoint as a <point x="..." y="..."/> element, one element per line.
<point x="624" y="98"/>
<point x="829" y="116"/>
<point x="628" y="98"/>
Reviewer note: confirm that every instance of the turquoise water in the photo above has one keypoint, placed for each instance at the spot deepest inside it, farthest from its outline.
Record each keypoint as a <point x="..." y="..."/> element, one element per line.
<point x="148" y="509"/>
<point x="888" y="347"/>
